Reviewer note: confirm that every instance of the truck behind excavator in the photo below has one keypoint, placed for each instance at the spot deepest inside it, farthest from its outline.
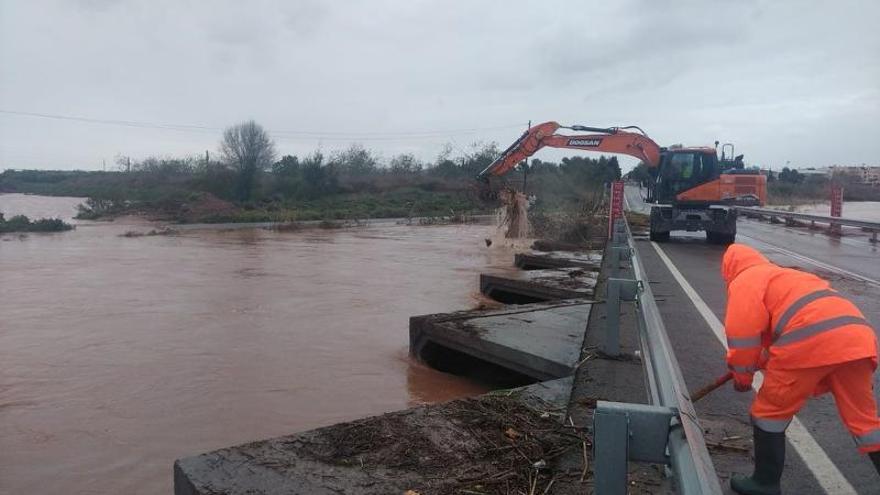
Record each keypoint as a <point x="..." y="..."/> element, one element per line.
<point x="691" y="188"/>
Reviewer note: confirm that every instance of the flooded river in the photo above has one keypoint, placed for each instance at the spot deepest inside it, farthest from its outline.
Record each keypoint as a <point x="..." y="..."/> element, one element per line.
<point x="118" y="355"/>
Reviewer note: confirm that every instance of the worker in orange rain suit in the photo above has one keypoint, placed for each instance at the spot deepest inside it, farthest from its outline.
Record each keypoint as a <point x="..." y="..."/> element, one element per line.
<point x="809" y="340"/>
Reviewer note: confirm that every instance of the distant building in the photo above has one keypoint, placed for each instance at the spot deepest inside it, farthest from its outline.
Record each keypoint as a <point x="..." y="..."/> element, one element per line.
<point x="813" y="171"/>
<point x="864" y="174"/>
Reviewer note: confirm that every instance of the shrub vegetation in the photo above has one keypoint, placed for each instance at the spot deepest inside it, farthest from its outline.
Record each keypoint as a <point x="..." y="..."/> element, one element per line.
<point x="354" y="183"/>
<point x="21" y="223"/>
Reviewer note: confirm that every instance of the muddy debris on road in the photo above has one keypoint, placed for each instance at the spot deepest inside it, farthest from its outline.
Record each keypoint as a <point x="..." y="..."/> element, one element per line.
<point x="499" y="443"/>
<point x="492" y="444"/>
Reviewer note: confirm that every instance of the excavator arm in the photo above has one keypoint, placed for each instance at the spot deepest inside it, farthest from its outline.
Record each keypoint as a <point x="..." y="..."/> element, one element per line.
<point x="607" y="140"/>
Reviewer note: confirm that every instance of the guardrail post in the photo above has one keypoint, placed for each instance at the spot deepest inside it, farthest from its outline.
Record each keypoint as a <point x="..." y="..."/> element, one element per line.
<point x="689" y="457"/>
<point x="618" y="232"/>
<point x="618" y="254"/>
<point x="617" y="289"/>
<point x="627" y="432"/>
<point x="835" y="229"/>
<point x="610" y="456"/>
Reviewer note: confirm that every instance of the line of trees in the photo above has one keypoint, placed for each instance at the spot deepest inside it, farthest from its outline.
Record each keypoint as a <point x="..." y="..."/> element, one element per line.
<point x="791" y="184"/>
<point x="789" y="175"/>
<point x="250" y="170"/>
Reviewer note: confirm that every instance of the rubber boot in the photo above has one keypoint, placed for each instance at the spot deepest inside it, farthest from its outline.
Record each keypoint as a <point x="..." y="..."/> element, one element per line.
<point x="769" y="462"/>
<point x="875" y="458"/>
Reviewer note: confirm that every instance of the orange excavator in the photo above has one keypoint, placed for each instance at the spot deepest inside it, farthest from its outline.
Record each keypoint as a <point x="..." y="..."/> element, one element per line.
<point x="691" y="188"/>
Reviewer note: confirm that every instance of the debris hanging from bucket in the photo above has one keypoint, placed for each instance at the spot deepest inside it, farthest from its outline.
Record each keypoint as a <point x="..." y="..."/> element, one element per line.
<point x="513" y="214"/>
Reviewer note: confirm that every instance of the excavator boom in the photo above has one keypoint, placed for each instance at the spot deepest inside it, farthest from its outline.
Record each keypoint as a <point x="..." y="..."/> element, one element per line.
<point x="607" y="140"/>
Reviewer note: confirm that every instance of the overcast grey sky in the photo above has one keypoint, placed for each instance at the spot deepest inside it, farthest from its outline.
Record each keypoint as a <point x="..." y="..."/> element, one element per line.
<point x="785" y="80"/>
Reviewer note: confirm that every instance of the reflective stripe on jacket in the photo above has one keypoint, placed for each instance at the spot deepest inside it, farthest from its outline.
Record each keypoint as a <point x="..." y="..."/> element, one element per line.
<point x="795" y="316"/>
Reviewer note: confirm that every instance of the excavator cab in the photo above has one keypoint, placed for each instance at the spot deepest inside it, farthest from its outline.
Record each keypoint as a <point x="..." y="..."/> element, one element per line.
<point x="694" y="189"/>
<point x="681" y="169"/>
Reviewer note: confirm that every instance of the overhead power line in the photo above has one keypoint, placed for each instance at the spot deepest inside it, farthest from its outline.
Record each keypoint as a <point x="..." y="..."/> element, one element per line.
<point x="282" y="134"/>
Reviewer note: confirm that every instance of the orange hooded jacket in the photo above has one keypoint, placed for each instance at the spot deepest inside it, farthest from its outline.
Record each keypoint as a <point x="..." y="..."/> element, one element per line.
<point x="787" y="319"/>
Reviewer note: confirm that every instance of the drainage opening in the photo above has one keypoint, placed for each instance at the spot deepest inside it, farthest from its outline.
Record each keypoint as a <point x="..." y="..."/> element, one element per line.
<point x="507" y="297"/>
<point x="483" y="372"/>
<point x="531" y="266"/>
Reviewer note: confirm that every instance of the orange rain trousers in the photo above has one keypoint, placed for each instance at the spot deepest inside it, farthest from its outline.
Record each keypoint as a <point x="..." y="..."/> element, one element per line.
<point x="784" y="393"/>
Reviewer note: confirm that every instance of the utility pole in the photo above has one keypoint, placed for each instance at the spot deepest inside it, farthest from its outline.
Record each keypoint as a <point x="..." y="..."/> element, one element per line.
<point x="128" y="164"/>
<point x="207" y="159"/>
<point x="104" y="164"/>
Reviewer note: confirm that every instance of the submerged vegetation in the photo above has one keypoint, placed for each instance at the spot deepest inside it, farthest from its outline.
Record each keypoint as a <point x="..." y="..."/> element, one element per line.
<point x="21" y="223"/>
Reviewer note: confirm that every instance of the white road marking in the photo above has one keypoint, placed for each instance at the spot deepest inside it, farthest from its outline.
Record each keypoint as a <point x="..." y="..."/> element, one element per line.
<point x="807" y="259"/>
<point x="829" y="477"/>
<point x="849" y="240"/>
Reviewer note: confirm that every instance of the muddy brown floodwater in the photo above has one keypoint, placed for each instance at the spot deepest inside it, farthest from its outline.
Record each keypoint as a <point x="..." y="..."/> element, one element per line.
<point x="119" y="355"/>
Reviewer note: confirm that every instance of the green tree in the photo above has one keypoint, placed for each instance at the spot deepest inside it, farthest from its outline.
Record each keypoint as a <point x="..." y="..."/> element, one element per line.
<point x="445" y="168"/>
<point x="481" y="156"/>
<point x="356" y="161"/>
<point x="286" y="179"/>
<point x="287" y="165"/>
<point x="319" y="178"/>
<point x="640" y="174"/>
<point x="613" y="168"/>
<point x="791" y="176"/>
<point x="405" y="164"/>
<point x="591" y="172"/>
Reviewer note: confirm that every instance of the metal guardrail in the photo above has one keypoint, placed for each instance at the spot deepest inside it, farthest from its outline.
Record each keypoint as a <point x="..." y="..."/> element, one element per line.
<point x="667" y="431"/>
<point x="873" y="227"/>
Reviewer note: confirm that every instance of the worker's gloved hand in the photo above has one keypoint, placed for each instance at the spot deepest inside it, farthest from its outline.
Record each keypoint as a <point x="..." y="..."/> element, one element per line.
<point x="742" y="383"/>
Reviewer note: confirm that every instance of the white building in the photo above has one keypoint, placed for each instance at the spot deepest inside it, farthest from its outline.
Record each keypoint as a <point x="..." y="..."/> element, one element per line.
<point x="820" y="171"/>
<point x="865" y="174"/>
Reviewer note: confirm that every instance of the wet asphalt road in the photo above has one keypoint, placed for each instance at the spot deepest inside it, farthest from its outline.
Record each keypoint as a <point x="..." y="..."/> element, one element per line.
<point x="852" y="265"/>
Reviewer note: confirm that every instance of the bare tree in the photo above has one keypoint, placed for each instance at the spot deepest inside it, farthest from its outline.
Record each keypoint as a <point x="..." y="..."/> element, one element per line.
<point x="248" y="148"/>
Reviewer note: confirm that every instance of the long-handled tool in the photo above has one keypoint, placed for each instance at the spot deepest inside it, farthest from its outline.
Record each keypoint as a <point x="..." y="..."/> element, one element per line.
<point x="699" y="394"/>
